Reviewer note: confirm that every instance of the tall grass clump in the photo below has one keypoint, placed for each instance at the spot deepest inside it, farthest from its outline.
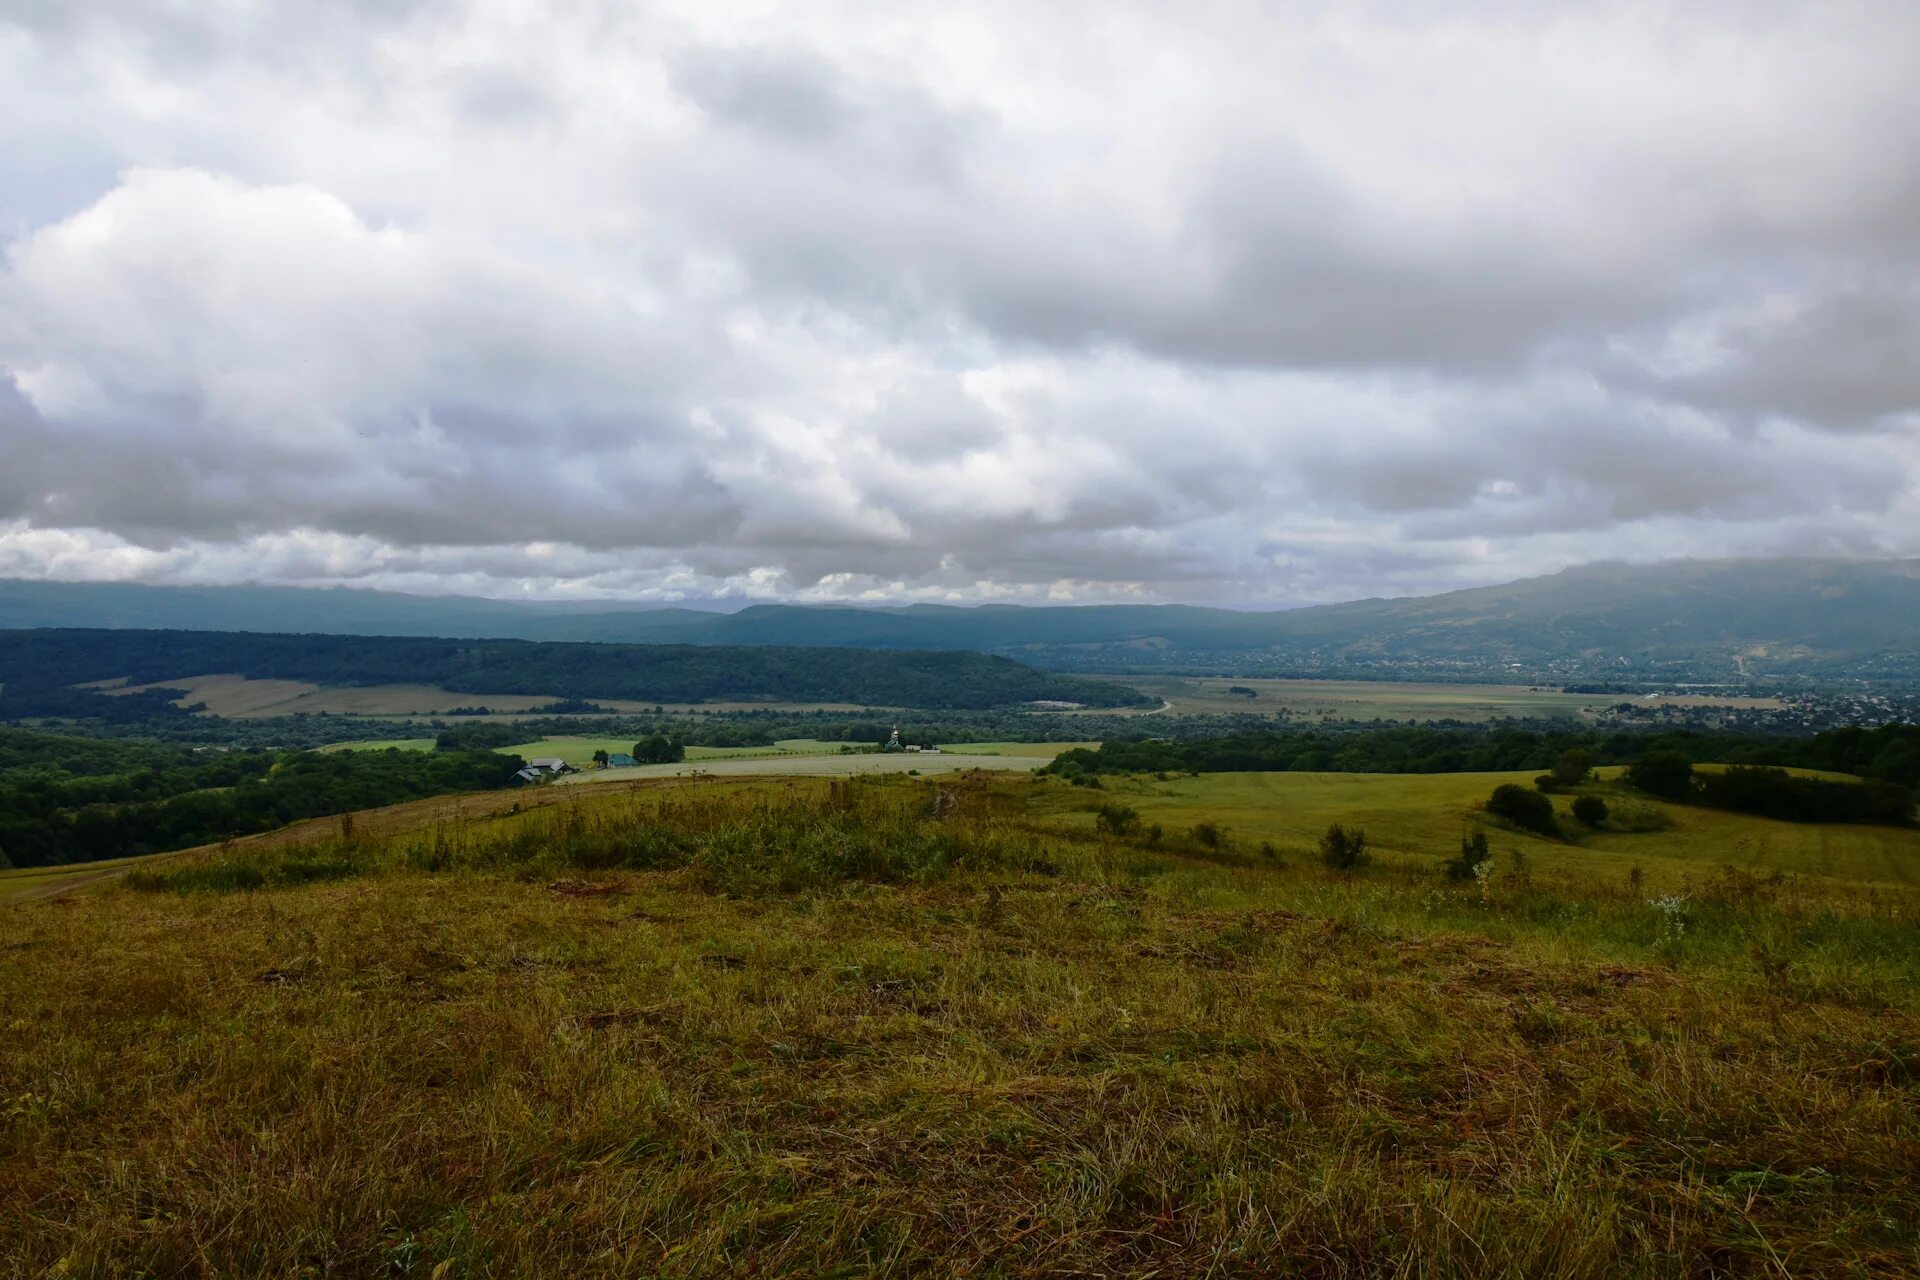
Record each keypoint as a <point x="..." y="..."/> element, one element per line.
<point x="236" y="871"/>
<point x="735" y="842"/>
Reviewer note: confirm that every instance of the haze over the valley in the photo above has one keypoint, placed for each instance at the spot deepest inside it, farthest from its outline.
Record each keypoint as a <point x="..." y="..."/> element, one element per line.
<point x="1215" y="303"/>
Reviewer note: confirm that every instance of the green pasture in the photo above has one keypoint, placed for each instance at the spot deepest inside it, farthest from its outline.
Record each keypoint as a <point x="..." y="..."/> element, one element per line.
<point x="1418" y="819"/>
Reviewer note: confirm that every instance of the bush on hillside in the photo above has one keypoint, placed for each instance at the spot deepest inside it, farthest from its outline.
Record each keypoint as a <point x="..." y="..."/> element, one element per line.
<point x="1666" y="774"/>
<point x="1524" y="808"/>
<point x="1473" y="853"/>
<point x="1591" y="810"/>
<point x="1116" y="820"/>
<point x="1572" y="767"/>
<point x="1775" y="793"/>
<point x="1343" y="850"/>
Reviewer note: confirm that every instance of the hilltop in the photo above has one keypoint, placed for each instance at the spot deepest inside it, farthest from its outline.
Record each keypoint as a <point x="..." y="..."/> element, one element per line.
<point x="800" y="1027"/>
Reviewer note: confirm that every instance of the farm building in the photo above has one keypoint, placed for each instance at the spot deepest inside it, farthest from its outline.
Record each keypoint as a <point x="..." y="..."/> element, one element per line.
<point x="621" y="760"/>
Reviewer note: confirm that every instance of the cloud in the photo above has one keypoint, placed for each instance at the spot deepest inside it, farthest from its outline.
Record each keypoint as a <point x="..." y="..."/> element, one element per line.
<point x="984" y="303"/>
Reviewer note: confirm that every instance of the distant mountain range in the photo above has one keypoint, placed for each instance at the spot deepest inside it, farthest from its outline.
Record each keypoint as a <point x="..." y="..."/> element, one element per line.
<point x="1715" y="620"/>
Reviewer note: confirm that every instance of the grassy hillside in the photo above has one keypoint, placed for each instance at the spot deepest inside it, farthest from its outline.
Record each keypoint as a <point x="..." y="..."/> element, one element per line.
<point x="1413" y="821"/>
<point x="795" y="1028"/>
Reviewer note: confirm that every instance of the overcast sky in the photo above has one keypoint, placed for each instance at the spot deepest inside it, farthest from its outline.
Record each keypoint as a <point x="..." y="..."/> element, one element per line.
<point x="1236" y="303"/>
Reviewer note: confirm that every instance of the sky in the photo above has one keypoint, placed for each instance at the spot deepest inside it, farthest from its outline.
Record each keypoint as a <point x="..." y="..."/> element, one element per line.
<point x="1235" y="303"/>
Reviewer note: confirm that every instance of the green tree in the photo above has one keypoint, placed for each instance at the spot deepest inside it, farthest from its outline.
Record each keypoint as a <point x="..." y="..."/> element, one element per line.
<point x="1666" y="774"/>
<point x="1591" y="810"/>
<point x="1572" y="767"/>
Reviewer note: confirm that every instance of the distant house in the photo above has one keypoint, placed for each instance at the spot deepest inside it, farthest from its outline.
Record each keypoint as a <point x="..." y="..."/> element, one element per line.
<point x="621" y="760"/>
<point x="550" y="764"/>
<point x="524" y="776"/>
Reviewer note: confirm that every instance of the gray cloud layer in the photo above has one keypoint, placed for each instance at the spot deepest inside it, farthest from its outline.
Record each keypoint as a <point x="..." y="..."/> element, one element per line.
<point x="851" y="301"/>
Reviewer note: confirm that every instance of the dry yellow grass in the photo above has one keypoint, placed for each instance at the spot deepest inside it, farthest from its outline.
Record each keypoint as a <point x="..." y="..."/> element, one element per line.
<point x="788" y="1029"/>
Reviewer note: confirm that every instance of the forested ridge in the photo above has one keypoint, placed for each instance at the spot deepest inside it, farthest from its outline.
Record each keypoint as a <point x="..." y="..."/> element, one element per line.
<point x="39" y="669"/>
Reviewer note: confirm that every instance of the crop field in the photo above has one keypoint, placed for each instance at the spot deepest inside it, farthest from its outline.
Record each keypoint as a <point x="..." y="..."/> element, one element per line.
<point x="1393" y="700"/>
<point x="240" y="698"/>
<point x="577" y="750"/>
<point x="1030" y="756"/>
<point x="792" y="1027"/>
<point x="243" y="698"/>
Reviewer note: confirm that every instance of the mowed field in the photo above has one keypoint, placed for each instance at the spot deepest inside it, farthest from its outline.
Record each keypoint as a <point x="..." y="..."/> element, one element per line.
<point x="895" y="1027"/>
<point x="772" y="763"/>
<point x="1393" y="700"/>
<point x="804" y="753"/>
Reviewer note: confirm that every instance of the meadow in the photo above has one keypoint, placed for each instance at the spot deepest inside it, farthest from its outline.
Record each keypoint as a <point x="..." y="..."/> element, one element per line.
<point x="1348" y="700"/>
<point x="1414" y="820"/>
<point x="790" y="1027"/>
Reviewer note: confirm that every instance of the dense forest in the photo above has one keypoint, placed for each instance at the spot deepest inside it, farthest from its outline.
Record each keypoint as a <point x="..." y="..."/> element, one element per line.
<point x="76" y="800"/>
<point x="41" y="668"/>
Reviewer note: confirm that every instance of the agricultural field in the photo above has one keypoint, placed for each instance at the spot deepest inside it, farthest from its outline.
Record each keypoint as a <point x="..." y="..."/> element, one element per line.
<point x="577" y="750"/>
<point x="801" y="753"/>
<point x="240" y="698"/>
<point x="896" y="1026"/>
<point x="1394" y="700"/>
<point x="766" y="763"/>
<point x="245" y="698"/>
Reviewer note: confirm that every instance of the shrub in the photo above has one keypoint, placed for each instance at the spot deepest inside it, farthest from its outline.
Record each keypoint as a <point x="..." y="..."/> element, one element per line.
<point x="1473" y="852"/>
<point x="1666" y="774"/>
<point x="1526" y="809"/>
<point x="1591" y="810"/>
<point x="1116" y="819"/>
<point x="1343" y="850"/>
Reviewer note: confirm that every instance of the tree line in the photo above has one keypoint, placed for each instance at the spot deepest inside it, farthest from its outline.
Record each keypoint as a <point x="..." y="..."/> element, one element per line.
<point x="64" y="805"/>
<point x="1889" y="753"/>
